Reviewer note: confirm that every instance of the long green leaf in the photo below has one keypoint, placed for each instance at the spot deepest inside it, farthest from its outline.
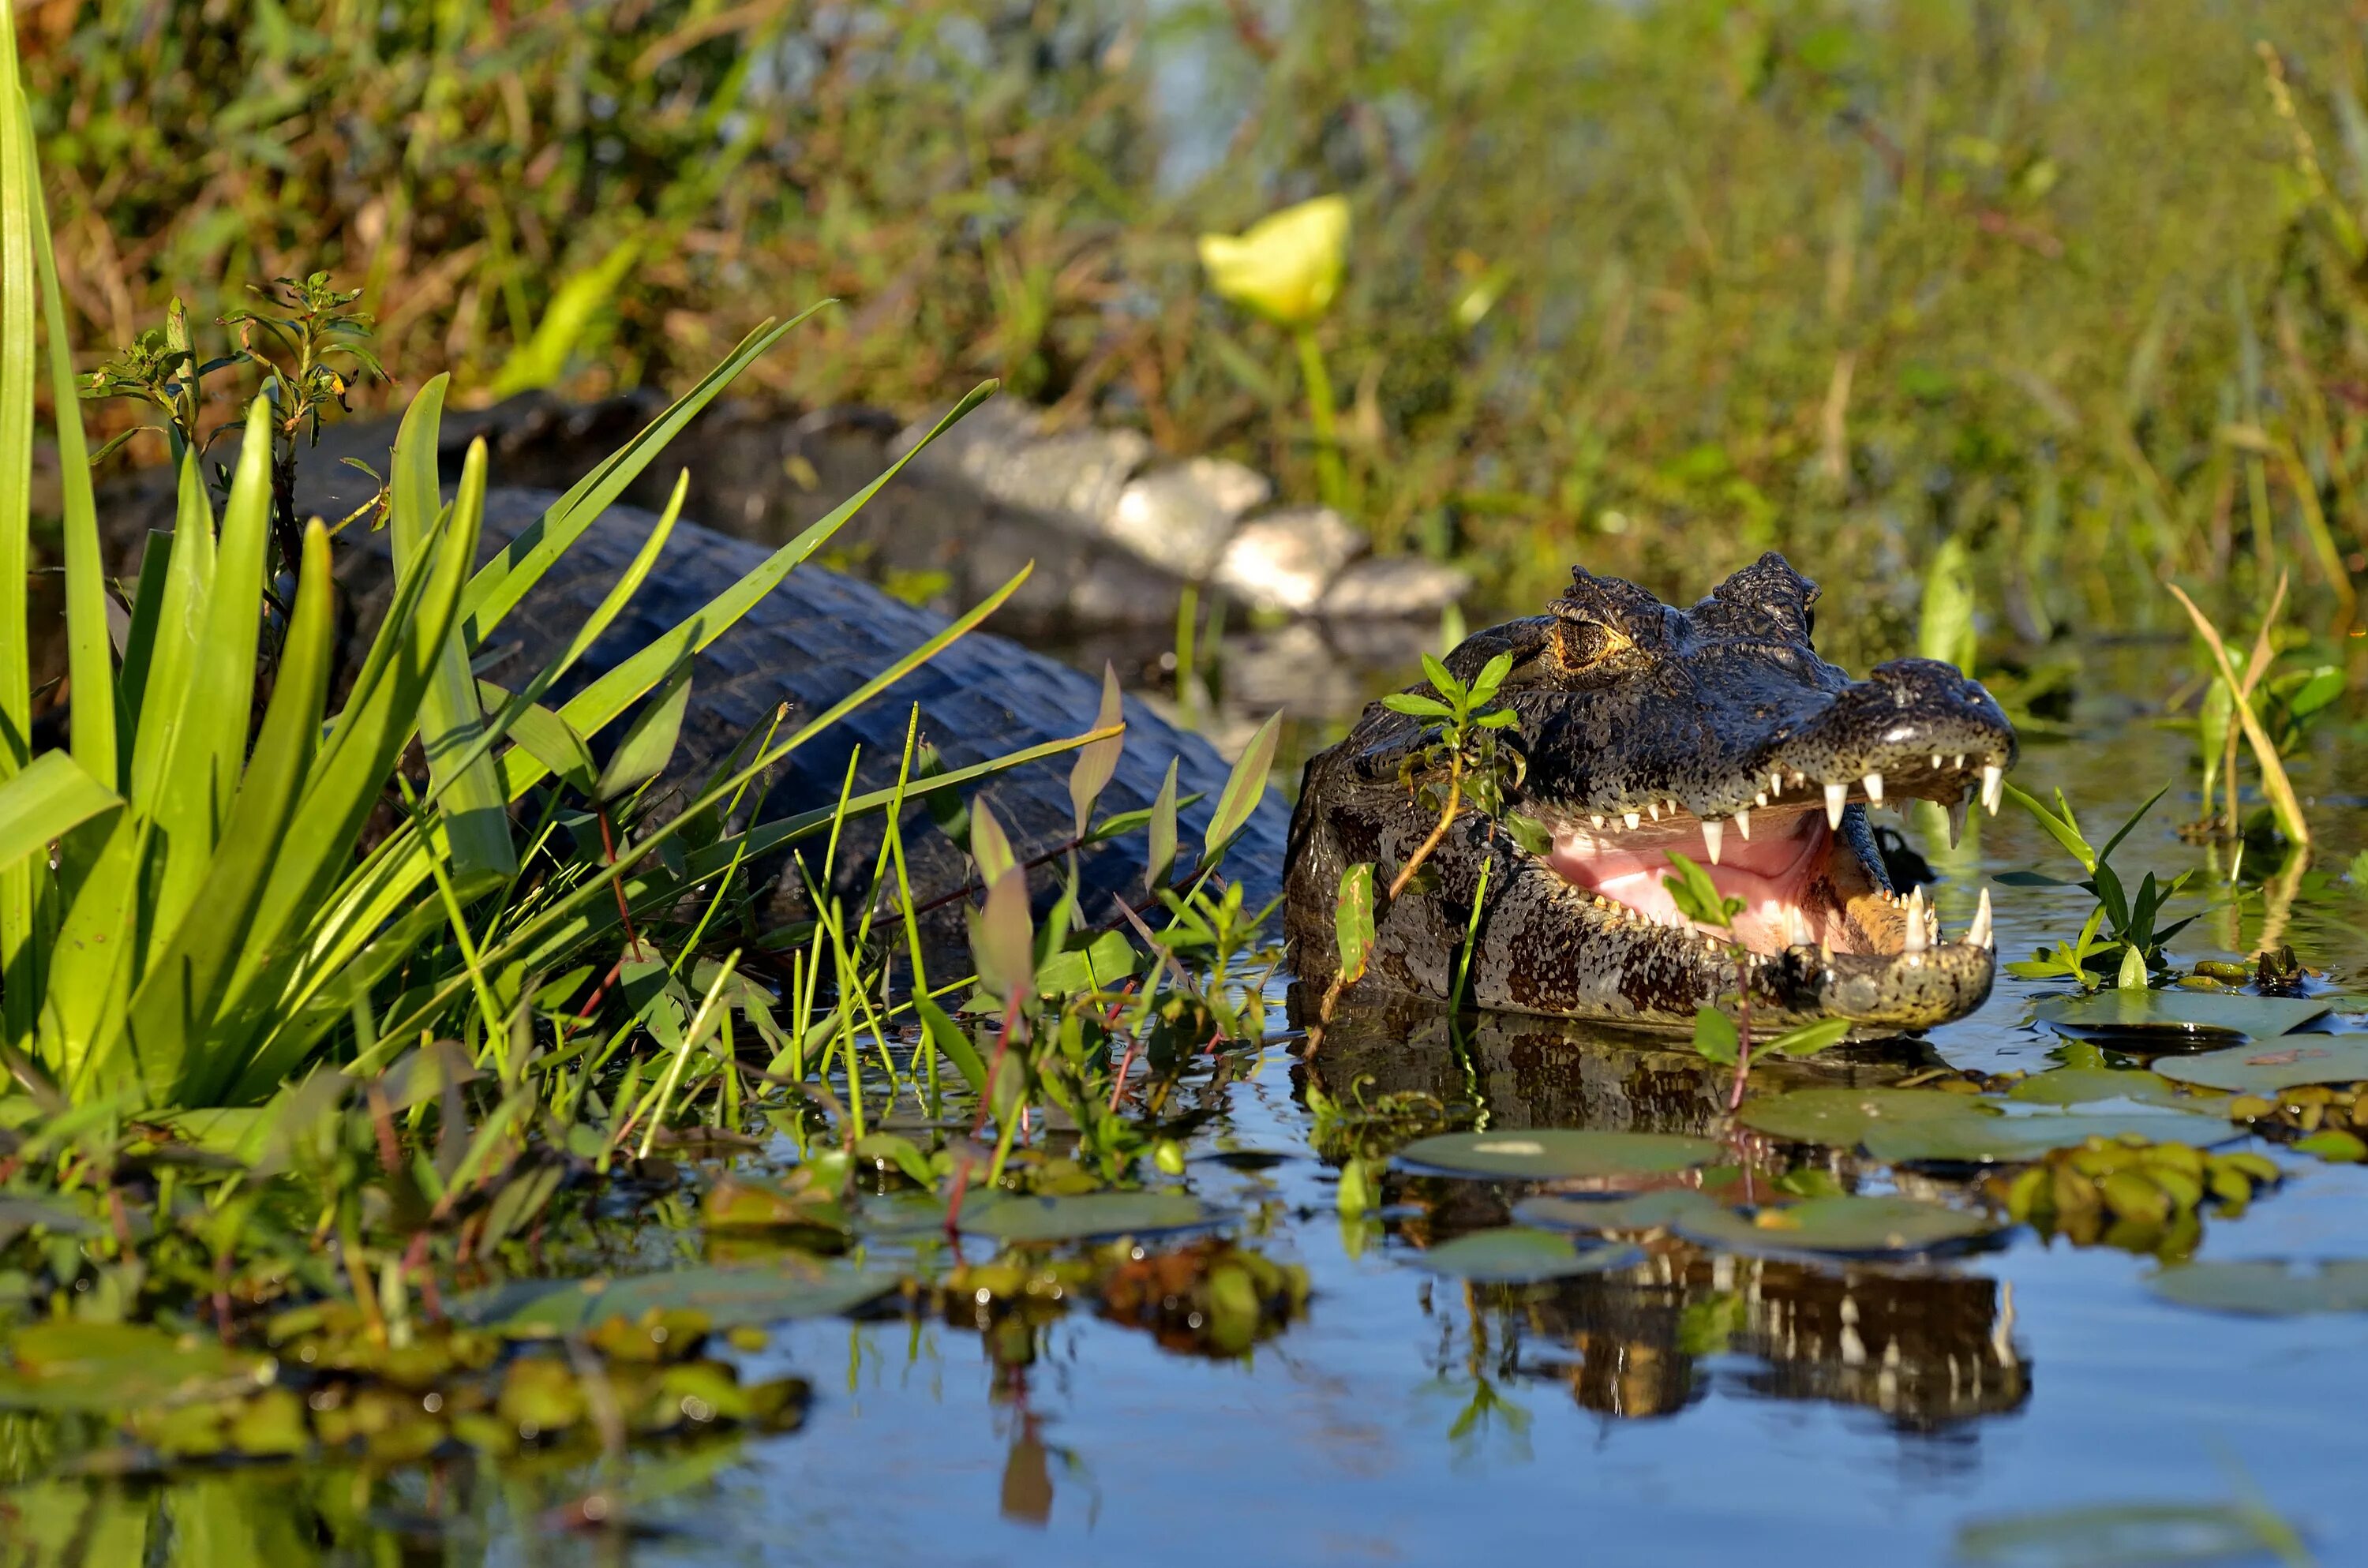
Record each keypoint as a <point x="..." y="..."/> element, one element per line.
<point x="180" y="625"/>
<point x="649" y="741"/>
<point x="472" y="808"/>
<point x="140" y="640"/>
<point x="1245" y="787"/>
<point x="90" y="667"/>
<point x="18" y="1001"/>
<point x="526" y="945"/>
<point x="199" y="777"/>
<point x="174" y="1006"/>
<point x="53" y="796"/>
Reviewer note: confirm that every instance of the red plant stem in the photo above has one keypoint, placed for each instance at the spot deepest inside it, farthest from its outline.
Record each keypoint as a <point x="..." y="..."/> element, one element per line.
<point x="1742" y="1033"/>
<point x="608" y="852"/>
<point x="1002" y="1043"/>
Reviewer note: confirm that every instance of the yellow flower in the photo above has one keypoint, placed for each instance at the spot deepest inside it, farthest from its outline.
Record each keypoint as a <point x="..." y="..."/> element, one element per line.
<point x="1287" y="267"/>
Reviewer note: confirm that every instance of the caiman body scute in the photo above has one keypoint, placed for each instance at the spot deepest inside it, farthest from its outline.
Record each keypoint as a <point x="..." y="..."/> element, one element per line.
<point x="1644" y="730"/>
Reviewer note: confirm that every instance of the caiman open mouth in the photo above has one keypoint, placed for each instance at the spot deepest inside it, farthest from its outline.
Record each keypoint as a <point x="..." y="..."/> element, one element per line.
<point x="1804" y="880"/>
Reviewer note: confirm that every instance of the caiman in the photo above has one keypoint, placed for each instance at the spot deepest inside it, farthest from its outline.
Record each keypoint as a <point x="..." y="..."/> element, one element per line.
<point x="1643" y="731"/>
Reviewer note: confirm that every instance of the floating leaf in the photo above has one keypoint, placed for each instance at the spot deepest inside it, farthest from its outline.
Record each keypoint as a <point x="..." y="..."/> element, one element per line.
<point x="117" y="1367"/>
<point x="1550" y="1154"/>
<point x="2086" y="1085"/>
<point x="1516" y="1255"/>
<point x="2267" y="1289"/>
<point x="1645" y="1211"/>
<point x="2265" y="1067"/>
<point x="2126" y="1535"/>
<point x="1894" y="1125"/>
<point x="781" y="1288"/>
<point x="1015" y="1217"/>
<point x="2131" y="1011"/>
<point x="1849" y="1226"/>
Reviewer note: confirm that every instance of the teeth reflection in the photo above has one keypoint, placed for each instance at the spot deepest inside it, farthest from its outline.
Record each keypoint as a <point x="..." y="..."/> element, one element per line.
<point x="1836" y="797"/>
<point x="1979" y="934"/>
<point x="1957" y="820"/>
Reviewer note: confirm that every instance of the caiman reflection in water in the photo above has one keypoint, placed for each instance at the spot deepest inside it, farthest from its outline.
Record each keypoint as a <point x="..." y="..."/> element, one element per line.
<point x="1927" y="1345"/>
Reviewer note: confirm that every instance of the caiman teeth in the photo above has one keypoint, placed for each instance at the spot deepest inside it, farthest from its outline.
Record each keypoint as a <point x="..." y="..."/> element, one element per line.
<point x="1631" y="818"/>
<point x="1714" y="838"/>
<point x="1993" y="787"/>
<point x="1914" y="940"/>
<point x="1874" y="789"/>
<point x="1776" y="783"/>
<point x="1743" y="820"/>
<point x="1836" y="797"/>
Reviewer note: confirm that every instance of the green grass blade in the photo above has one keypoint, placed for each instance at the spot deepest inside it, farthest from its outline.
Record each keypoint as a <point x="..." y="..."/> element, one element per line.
<point x="18" y="1001"/>
<point x="171" y="1009"/>
<point x="527" y="943"/>
<point x="1245" y="787"/>
<point x="193" y="791"/>
<point x="90" y="664"/>
<point x="608" y="696"/>
<point x="502" y="581"/>
<point x="52" y="797"/>
<point x="649" y="741"/>
<point x="140" y="640"/>
<point x="180" y="626"/>
<point x="471" y="808"/>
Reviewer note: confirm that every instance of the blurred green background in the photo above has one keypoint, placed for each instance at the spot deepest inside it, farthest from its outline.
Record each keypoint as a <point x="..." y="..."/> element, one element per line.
<point x="1654" y="285"/>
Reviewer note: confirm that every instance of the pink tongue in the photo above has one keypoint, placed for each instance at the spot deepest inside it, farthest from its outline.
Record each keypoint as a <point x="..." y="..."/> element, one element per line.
<point x="1769" y="873"/>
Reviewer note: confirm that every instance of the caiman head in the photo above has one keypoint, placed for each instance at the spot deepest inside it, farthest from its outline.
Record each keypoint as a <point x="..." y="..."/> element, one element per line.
<point x="1642" y="730"/>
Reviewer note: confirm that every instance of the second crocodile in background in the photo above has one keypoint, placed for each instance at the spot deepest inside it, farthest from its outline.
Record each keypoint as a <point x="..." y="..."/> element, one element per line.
<point x="1714" y="732"/>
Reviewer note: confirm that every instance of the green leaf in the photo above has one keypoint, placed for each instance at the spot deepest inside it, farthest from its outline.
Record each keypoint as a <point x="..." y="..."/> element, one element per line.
<point x="1516" y="1255"/>
<point x="1850" y="1225"/>
<point x="783" y="1288"/>
<point x="1016" y="1219"/>
<point x="19" y="193"/>
<point x="2183" y="1014"/>
<point x="1810" y="1038"/>
<point x="2060" y="829"/>
<point x="551" y="739"/>
<point x="575" y="304"/>
<point x="990" y="847"/>
<point x="53" y="796"/>
<point x="1654" y="1210"/>
<point x="1552" y="1153"/>
<point x="2132" y="973"/>
<point x="1245" y="787"/>
<point x="90" y="669"/>
<point x="2130" y="1535"/>
<point x="1098" y="966"/>
<point x="2267" y="1068"/>
<point x="2268" y="1289"/>
<point x="1715" y="1037"/>
<point x="1491" y="676"/>
<point x="471" y="804"/>
<point x="1159" y="857"/>
<point x="1897" y="1125"/>
<point x="1697" y="897"/>
<point x="952" y="1043"/>
<point x="649" y="741"/>
<point x="1352" y="920"/>
<point x="1419" y="707"/>
<point x="1096" y="762"/>
<point x="176" y="1001"/>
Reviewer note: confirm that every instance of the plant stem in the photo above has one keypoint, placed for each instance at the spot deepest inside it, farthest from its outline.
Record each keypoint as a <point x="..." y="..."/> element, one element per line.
<point x="1742" y="1031"/>
<point x="1438" y="831"/>
<point x="1331" y="484"/>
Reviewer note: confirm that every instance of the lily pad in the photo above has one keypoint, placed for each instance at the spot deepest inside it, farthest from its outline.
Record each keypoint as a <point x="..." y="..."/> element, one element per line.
<point x="728" y="1297"/>
<point x="2187" y="1013"/>
<point x="1897" y="1125"/>
<point x="2086" y="1085"/>
<point x="1552" y="1153"/>
<point x="2124" y="1535"/>
<point x="1084" y="1216"/>
<point x="1645" y="1211"/>
<point x="1849" y="1226"/>
<point x="115" y="1367"/>
<point x="1516" y="1255"/>
<point x="2267" y="1289"/>
<point x="2264" y="1067"/>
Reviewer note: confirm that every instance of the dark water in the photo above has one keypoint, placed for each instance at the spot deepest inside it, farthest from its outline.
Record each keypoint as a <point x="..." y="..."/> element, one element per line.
<point x="1696" y="1409"/>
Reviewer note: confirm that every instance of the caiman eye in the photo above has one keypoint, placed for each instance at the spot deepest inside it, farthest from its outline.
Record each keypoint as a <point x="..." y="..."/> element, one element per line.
<point x="1582" y="645"/>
